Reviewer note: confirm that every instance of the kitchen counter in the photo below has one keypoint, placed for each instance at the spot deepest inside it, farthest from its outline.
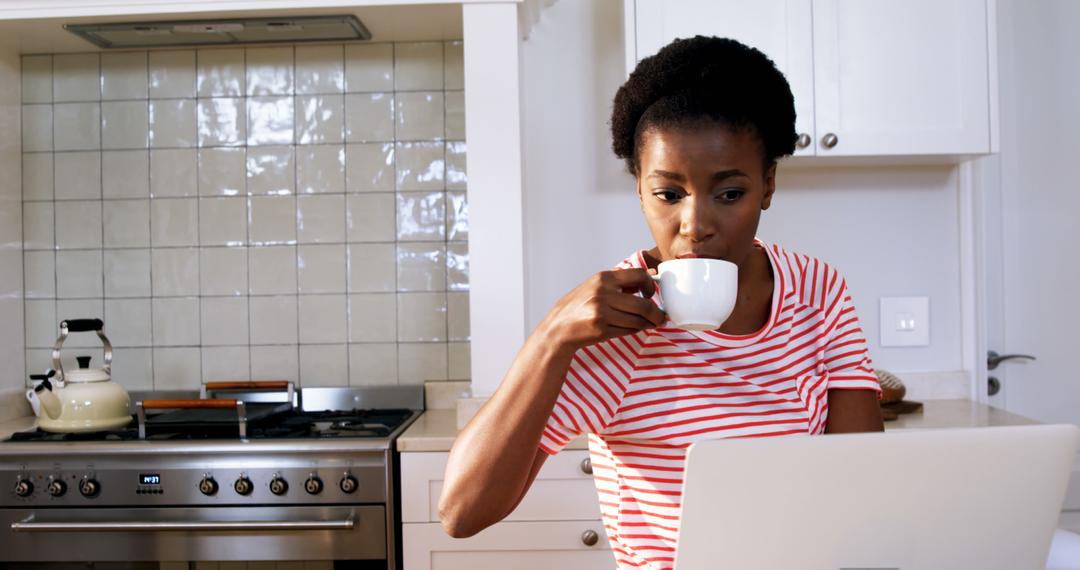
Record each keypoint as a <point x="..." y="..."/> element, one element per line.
<point x="435" y="430"/>
<point x="19" y="424"/>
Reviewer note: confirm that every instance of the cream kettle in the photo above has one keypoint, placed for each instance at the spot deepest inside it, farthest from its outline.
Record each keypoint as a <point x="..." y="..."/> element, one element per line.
<point x="84" y="399"/>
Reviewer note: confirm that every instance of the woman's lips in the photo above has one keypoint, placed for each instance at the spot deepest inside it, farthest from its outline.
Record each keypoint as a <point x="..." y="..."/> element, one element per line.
<point x="692" y="255"/>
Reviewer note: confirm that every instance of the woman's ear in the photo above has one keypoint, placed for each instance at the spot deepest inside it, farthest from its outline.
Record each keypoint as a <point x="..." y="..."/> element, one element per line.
<point x="770" y="186"/>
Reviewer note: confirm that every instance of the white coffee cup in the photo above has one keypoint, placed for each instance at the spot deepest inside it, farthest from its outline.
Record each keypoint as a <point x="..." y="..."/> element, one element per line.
<point x="697" y="293"/>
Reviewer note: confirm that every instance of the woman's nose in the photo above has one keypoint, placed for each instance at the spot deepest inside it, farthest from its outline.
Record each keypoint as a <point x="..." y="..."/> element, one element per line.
<point x="696" y="223"/>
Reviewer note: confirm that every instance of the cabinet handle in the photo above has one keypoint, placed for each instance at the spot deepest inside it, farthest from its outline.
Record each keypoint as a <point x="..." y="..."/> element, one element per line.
<point x="586" y="466"/>
<point x="829" y="140"/>
<point x="803" y="141"/>
<point x="590" y="538"/>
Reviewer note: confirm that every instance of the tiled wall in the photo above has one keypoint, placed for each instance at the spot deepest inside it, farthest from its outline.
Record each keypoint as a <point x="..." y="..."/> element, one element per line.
<point x="287" y="212"/>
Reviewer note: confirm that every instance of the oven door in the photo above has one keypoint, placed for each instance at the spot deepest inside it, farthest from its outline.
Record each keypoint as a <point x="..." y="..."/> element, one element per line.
<point x="204" y="533"/>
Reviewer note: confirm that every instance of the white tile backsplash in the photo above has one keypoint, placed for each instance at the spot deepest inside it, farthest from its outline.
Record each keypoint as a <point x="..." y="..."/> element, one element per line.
<point x="268" y="212"/>
<point x="320" y="219"/>
<point x="175" y="271"/>
<point x="321" y="268"/>
<point x="124" y="125"/>
<point x="174" y="222"/>
<point x="78" y="224"/>
<point x="37" y="176"/>
<point x="77" y="175"/>
<point x="126" y="223"/>
<point x="76" y="77"/>
<point x="224" y="321"/>
<point x="369" y="67"/>
<point x="222" y="172"/>
<point x="322" y="319"/>
<point x="172" y="74"/>
<point x="221" y="122"/>
<point x="37" y="79"/>
<point x="269" y="71"/>
<point x="173" y="123"/>
<point x="124" y="75"/>
<point x="220" y="72"/>
<point x="79" y="274"/>
<point x="223" y="271"/>
<point x="369" y="117"/>
<point x="418" y="65"/>
<point x="37" y="128"/>
<point x="125" y="174"/>
<point x="127" y="273"/>
<point x="320" y="69"/>
<point x="176" y="321"/>
<point x="77" y="126"/>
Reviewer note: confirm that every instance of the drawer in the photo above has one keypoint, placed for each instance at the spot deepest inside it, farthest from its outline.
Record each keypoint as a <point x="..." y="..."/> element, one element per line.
<point x="517" y="545"/>
<point x="562" y="490"/>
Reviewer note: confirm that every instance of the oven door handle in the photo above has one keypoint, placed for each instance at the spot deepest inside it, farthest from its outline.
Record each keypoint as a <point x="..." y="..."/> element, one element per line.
<point x="29" y="525"/>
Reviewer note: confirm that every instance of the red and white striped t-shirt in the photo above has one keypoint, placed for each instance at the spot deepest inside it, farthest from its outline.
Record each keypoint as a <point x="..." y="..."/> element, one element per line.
<point x="644" y="398"/>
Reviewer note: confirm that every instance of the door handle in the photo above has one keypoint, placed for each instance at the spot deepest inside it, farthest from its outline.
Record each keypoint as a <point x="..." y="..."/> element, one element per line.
<point x="993" y="358"/>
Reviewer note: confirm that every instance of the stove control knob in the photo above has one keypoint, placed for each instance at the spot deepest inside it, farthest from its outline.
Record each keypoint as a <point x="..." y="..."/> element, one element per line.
<point x="208" y="486"/>
<point x="24" y="488"/>
<point x="89" y="488"/>
<point x="56" y="487"/>
<point x="278" y="486"/>
<point x="349" y="484"/>
<point x="243" y="486"/>
<point x="313" y="485"/>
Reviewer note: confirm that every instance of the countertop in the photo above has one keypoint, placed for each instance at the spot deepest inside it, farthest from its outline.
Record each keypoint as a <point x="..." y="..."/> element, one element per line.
<point x="19" y="424"/>
<point x="435" y="430"/>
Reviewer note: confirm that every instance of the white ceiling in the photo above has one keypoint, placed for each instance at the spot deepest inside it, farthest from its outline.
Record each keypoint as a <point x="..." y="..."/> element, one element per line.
<point x="386" y="23"/>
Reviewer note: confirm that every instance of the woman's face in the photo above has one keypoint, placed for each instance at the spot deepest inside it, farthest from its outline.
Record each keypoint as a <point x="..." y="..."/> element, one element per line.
<point x="702" y="190"/>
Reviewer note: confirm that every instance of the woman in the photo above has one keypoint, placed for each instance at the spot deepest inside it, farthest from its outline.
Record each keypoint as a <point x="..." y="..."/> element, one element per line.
<point x="701" y="125"/>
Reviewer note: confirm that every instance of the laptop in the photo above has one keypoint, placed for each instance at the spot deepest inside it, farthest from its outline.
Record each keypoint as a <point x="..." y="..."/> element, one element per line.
<point x="957" y="499"/>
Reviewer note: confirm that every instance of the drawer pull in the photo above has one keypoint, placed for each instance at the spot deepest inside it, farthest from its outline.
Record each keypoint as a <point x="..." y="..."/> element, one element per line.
<point x="586" y="466"/>
<point x="590" y="538"/>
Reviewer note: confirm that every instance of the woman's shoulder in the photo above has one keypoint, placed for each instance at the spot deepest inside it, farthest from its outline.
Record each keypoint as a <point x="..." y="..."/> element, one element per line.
<point x="813" y="280"/>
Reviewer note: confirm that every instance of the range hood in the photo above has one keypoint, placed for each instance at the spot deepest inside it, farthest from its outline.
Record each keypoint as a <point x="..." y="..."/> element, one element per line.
<point x="222" y="32"/>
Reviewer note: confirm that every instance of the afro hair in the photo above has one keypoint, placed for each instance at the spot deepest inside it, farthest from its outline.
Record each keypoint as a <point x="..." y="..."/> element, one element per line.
<point x="705" y="78"/>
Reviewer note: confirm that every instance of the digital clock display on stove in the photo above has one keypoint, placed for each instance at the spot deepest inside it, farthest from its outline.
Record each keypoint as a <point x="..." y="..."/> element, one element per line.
<point x="149" y="479"/>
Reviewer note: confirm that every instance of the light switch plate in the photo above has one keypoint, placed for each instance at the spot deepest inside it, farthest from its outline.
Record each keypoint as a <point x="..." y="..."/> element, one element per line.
<point x="905" y="321"/>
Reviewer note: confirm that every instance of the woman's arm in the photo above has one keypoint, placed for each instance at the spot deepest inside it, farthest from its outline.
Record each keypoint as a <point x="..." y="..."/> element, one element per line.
<point x="497" y="455"/>
<point x="853" y="411"/>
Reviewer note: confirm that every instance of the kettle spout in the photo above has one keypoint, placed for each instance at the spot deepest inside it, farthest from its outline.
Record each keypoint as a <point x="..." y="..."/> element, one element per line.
<point x="42" y="396"/>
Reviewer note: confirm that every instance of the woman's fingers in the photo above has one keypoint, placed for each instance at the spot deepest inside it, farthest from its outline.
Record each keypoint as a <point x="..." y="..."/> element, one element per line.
<point x="634" y="305"/>
<point x="633" y="280"/>
<point x="622" y="323"/>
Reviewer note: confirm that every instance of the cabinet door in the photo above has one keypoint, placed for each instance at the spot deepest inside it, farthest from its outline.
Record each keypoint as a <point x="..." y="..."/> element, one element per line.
<point x="563" y="490"/>
<point x="901" y="77"/>
<point x="514" y="545"/>
<point x="781" y="29"/>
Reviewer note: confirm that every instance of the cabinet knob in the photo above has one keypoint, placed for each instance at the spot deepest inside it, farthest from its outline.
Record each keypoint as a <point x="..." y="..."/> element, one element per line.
<point x="590" y="538"/>
<point x="829" y="140"/>
<point x="586" y="466"/>
<point x="803" y="141"/>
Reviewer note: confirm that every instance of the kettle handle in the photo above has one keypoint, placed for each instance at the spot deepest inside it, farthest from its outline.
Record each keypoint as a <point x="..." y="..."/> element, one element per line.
<point x="81" y="325"/>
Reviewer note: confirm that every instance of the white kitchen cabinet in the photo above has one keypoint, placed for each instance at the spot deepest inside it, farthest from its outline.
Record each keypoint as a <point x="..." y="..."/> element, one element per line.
<point x="882" y="78"/>
<point x="549" y="529"/>
<point x="779" y="28"/>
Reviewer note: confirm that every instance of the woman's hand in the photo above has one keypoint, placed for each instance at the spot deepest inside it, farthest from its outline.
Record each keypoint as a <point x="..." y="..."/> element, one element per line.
<point x="603" y="307"/>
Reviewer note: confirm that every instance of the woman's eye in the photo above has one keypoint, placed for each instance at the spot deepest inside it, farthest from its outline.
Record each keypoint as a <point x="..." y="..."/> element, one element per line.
<point x="730" y="195"/>
<point x="666" y="195"/>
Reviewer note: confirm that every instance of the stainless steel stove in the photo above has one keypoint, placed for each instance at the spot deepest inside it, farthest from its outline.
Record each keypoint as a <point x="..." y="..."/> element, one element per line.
<point x="313" y="482"/>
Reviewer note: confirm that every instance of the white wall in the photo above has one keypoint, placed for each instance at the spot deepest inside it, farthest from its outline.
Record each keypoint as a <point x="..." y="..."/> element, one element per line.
<point x="891" y="230"/>
<point x="11" y="305"/>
